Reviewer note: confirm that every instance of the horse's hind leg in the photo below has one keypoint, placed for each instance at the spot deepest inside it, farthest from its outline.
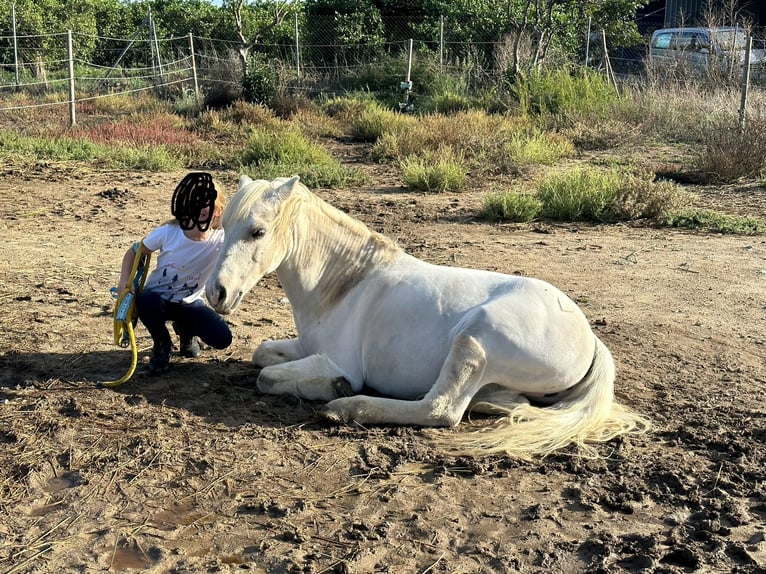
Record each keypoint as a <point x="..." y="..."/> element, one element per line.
<point x="444" y="404"/>
<point x="496" y="400"/>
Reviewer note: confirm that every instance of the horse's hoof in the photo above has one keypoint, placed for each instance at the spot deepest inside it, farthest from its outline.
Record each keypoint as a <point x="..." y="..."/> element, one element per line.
<point x="331" y="415"/>
<point x="342" y="387"/>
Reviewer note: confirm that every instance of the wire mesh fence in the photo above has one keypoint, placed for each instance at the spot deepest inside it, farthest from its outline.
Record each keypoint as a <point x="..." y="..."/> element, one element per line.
<point x="68" y="67"/>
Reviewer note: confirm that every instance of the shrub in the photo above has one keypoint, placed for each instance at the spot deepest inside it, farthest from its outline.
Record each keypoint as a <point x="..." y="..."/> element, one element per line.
<point x="708" y="220"/>
<point x="511" y="206"/>
<point x="579" y="194"/>
<point x="607" y="196"/>
<point x="259" y="85"/>
<point x="434" y="172"/>
<point x="731" y="153"/>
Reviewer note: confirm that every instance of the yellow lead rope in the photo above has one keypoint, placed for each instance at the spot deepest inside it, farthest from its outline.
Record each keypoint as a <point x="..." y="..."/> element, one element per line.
<point x="125" y="312"/>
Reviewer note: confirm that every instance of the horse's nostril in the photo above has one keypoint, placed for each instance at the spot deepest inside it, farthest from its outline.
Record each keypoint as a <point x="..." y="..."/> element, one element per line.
<point x="221" y="293"/>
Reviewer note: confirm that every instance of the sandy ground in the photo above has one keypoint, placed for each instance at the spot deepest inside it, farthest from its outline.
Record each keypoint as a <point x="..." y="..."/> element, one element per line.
<point x="197" y="471"/>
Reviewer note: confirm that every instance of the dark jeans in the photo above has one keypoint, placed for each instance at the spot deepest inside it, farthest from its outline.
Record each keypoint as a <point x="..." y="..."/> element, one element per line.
<point x="192" y="320"/>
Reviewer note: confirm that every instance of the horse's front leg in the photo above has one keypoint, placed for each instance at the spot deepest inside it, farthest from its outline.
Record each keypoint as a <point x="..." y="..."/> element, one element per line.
<point x="444" y="405"/>
<point x="315" y="378"/>
<point x="276" y="352"/>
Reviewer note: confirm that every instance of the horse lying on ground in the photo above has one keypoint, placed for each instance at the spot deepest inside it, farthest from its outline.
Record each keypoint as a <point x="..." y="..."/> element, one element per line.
<point x="435" y="341"/>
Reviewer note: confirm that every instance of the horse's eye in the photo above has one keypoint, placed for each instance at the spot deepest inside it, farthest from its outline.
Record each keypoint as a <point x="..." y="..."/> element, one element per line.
<point x="258" y="233"/>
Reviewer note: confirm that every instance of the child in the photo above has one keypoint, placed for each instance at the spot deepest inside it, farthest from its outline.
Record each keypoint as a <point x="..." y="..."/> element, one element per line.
<point x="188" y="248"/>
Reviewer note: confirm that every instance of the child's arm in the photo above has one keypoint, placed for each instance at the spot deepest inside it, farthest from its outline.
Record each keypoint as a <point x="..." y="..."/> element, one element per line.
<point x="127" y="266"/>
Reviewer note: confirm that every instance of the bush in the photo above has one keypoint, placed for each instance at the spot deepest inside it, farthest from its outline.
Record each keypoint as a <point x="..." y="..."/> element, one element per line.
<point x="589" y="195"/>
<point x="259" y="86"/>
<point x="731" y="153"/>
<point x="434" y="172"/>
<point x="581" y="194"/>
<point x="511" y="206"/>
<point x="712" y="221"/>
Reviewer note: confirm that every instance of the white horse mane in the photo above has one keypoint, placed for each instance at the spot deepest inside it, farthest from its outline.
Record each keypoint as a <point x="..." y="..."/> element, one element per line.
<point x="356" y="248"/>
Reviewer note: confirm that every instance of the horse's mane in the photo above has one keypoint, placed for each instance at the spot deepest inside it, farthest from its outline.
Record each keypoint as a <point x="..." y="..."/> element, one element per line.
<point x="356" y="248"/>
<point x="241" y="203"/>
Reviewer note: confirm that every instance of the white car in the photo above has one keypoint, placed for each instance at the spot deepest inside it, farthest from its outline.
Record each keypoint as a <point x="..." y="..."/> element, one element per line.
<point x="705" y="50"/>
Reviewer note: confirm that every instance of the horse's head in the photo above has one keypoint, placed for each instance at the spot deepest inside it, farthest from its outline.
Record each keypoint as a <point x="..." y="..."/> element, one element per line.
<point x="257" y="239"/>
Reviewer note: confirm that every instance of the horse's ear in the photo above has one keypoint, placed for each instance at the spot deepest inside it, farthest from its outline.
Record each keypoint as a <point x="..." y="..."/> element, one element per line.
<point x="279" y="194"/>
<point x="244" y="180"/>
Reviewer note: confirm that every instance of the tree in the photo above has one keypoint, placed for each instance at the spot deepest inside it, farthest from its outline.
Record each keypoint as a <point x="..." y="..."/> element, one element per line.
<point x="256" y="21"/>
<point x="42" y="24"/>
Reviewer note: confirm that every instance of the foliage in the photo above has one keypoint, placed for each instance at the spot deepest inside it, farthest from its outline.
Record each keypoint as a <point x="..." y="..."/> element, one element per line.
<point x="355" y="26"/>
<point x="589" y="195"/>
<point x="434" y="172"/>
<point x="518" y="207"/>
<point x="708" y="220"/>
<point x="733" y="152"/>
<point x="259" y="84"/>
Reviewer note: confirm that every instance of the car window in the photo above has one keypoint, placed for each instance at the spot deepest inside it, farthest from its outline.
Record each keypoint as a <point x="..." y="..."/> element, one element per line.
<point x="686" y="40"/>
<point x="662" y="41"/>
<point x="703" y="40"/>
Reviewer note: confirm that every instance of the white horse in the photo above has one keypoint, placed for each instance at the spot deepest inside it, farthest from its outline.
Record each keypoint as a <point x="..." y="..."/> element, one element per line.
<point x="435" y="341"/>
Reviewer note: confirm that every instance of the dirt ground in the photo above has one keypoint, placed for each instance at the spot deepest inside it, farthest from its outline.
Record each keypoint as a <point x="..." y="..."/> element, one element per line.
<point x="196" y="471"/>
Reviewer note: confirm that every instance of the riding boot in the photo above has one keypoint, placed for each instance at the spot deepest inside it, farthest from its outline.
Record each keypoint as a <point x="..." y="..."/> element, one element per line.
<point x="188" y="346"/>
<point x="160" y="359"/>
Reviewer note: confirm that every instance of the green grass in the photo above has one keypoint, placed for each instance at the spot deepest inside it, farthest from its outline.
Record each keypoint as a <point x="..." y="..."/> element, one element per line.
<point x="281" y="153"/>
<point x="517" y="207"/>
<point x="434" y="173"/>
<point x="64" y="149"/>
<point x="712" y="221"/>
<point x="589" y="194"/>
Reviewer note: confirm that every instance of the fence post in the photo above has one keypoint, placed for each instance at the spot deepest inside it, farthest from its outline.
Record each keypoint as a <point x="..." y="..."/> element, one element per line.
<point x="745" y="82"/>
<point x="70" y="55"/>
<point x="15" y="44"/>
<point x="607" y="64"/>
<point x="406" y="86"/>
<point x="194" y="66"/>
<point x="441" y="41"/>
<point x="297" y="49"/>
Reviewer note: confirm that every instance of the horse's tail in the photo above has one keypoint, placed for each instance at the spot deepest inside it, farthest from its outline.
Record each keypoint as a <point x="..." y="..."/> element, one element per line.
<point x="587" y="414"/>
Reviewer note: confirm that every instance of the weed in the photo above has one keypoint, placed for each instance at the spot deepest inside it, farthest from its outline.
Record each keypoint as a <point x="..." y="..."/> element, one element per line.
<point x="712" y="221"/>
<point x="434" y="172"/>
<point x="511" y="206"/>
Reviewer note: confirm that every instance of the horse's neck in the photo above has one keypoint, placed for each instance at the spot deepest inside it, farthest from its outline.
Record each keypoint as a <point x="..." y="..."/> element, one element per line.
<point x="331" y="254"/>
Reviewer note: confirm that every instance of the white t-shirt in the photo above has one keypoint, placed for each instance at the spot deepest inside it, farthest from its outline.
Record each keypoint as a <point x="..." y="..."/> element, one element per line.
<point x="183" y="264"/>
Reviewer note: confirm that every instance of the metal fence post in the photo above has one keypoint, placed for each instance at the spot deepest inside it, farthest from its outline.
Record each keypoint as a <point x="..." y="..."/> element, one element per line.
<point x="297" y="49"/>
<point x="70" y="55"/>
<point x="15" y="44"/>
<point x="745" y="82"/>
<point x="194" y="66"/>
<point x="441" y="41"/>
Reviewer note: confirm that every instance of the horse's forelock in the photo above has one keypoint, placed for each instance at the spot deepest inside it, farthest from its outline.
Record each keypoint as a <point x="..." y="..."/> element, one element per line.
<point x="242" y="202"/>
